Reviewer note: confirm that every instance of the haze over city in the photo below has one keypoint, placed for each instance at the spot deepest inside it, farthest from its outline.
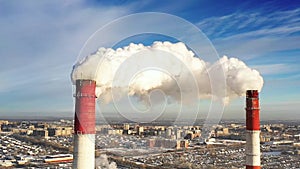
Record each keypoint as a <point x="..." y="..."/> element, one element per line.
<point x="41" y="41"/>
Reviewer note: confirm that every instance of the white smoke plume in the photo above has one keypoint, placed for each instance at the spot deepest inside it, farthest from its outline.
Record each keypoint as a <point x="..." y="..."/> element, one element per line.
<point x="103" y="163"/>
<point x="171" y="68"/>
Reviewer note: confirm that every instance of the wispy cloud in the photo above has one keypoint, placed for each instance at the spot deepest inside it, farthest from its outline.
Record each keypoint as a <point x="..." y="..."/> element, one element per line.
<point x="251" y="34"/>
<point x="252" y="23"/>
<point x="39" y="44"/>
<point x="276" y="69"/>
<point x="248" y="49"/>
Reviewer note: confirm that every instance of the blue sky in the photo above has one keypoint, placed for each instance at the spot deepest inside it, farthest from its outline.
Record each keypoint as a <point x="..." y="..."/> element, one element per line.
<point x="40" y="41"/>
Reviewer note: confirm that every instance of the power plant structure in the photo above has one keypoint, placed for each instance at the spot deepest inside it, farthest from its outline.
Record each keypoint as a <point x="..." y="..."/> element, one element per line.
<point x="84" y="127"/>
<point x="252" y="130"/>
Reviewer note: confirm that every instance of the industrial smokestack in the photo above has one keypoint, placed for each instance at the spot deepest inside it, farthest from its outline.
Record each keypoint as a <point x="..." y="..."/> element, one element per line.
<point x="253" y="130"/>
<point x="84" y="127"/>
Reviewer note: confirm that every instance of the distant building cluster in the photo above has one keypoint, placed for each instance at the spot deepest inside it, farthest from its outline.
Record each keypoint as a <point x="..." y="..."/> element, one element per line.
<point x="174" y="146"/>
<point x="37" y="129"/>
<point x="32" y="143"/>
<point x="157" y="136"/>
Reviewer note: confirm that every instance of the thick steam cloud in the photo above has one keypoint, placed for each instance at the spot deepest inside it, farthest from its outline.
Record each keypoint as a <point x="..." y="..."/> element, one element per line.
<point x="103" y="163"/>
<point x="170" y="68"/>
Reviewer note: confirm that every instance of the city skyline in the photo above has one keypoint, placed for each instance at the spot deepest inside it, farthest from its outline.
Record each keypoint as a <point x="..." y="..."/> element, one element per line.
<point x="40" y="42"/>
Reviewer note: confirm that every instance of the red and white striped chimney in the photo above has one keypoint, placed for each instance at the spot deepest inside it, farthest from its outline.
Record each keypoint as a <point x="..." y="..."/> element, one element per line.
<point x="84" y="127"/>
<point x="253" y="130"/>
